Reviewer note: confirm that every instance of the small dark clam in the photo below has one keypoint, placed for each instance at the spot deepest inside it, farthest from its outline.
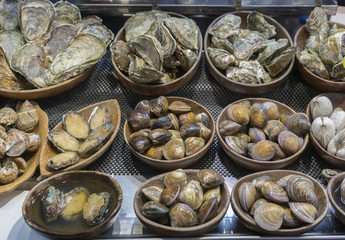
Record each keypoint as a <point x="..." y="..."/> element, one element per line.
<point x="153" y="210"/>
<point x="258" y="115"/>
<point x="193" y="145"/>
<point x="170" y="195"/>
<point x="159" y="136"/>
<point x="153" y="193"/>
<point x="140" y="143"/>
<point x="186" y="118"/>
<point x="210" y="178"/>
<point x="190" y="130"/>
<point x="203" y="118"/>
<point x="162" y="122"/>
<point x="138" y="120"/>
<point x="181" y="215"/>
<point x="144" y="106"/>
<point x="179" y="107"/>
<point x="228" y="127"/>
<point x="208" y="210"/>
<point x="298" y="123"/>
<point x="160" y="106"/>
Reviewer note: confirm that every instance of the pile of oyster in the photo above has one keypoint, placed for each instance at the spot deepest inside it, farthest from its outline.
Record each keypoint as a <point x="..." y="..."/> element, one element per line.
<point x="158" y="48"/>
<point x="289" y="202"/>
<point x="183" y="202"/>
<point x="16" y="139"/>
<point x="72" y="205"/>
<point x="167" y="130"/>
<point x="47" y="43"/>
<point x="261" y="132"/>
<point x="80" y="137"/>
<point x="324" y="51"/>
<point x="251" y="55"/>
<point x="328" y="125"/>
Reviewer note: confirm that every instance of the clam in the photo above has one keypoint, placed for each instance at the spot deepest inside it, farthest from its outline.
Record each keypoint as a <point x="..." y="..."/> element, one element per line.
<point x="76" y="125"/>
<point x="186" y="118"/>
<point x="243" y="137"/>
<point x="181" y="215"/>
<point x="263" y="151"/>
<point x="161" y="122"/>
<point x="258" y="115"/>
<point x="104" y="131"/>
<point x="237" y="144"/>
<point x="138" y="120"/>
<point x="257" y="22"/>
<point x="338" y="118"/>
<point x="178" y="177"/>
<point x="274" y="193"/>
<point x="210" y="178"/>
<point x="272" y="110"/>
<point x="245" y="103"/>
<point x="153" y="193"/>
<point x="323" y="130"/>
<point x="190" y="130"/>
<point x="159" y="136"/>
<point x="259" y="182"/>
<point x="175" y="134"/>
<point x="20" y="162"/>
<point x="16" y="142"/>
<point x="290" y="220"/>
<point x="273" y="128"/>
<point x="141" y="143"/>
<point x="256" y="134"/>
<point x="160" y="106"/>
<point x="283" y="181"/>
<point x="337" y="144"/>
<point x="304" y="212"/>
<point x="193" y="145"/>
<point x="320" y="106"/>
<point x="301" y="189"/>
<point x="269" y="216"/>
<point x="62" y="160"/>
<point x="329" y="173"/>
<point x="174" y="121"/>
<point x="192" y="194"/>
<point x="99" y="116"/>
<point x="228" y="127"/>
<point x="342" y="189"/>
<point x="256" y="204"/>
<point x="8" y="172"/>
<point x="204" y="131"/>
<point x="208" y="210"/>
<point x="155" y="152"/>
<point x="298" y="123"/>
<point x="284" y="117"/>
<point x="74" y="203"/>
<point x="63" y="141"/>
<point x="144" y="106"/>
<point x="170" y="195"/>
<point x="90" y="146"/>
<point x="174" y="149"/>
<point x="247" y="195"/>
<point x="52" y="203"/>
<point x="203" y="118"/>
<point x="95" y="207"/>
<point x="289" y="142"/>
<point x="238" y="113"/>
<point x="179" y="107"/>
<point x="154" y="210"/>
<point x="27" y="116"/>
<point x="8" y="116"/>
<point x="212" y="193"/>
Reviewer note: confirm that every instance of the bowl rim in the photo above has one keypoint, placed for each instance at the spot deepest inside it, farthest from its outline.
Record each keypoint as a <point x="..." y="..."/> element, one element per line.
<point x="186" y="158"/>
<point x="247" y="159"/>
<point x="330" y="186"/>
<point x="32" y="223"/>
<point x="279" y="79"/>
<point x="213" y="221"/>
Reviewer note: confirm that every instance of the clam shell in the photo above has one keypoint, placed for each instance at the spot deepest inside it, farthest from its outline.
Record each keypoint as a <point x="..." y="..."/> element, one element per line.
<point x="236" y="144"/>
<point x="193" y="145"/>
<point x="228" y="127"/>
<point x="290" y="220"/>
<point x="342" y="189"/>
<point x="323" y="130"/>
<point x="320" y="106"/>
<point x="179" y="107"/>
<point x="160" y="106"/>
<point x="138" y="120"/>
<point x="153" y="193"/>
<point x="263" y="151"/>
<point x="258" y="115"/>
<point x="159" y="136"/>
<point x="259" y="182"/>
<point x="238" y="113"/>
<point x="203" y="118"/>
<point x="186" y="118"/>
<point x="170" y="194"/>
<point x="140" y="142"/>
<point x="165" y="122"/>
<point x="274" y="193"/>
<point x="338" y="118"/>
<point x="301" y="189"/>
<point x="256" y="134"/>
<point x="178" y="177"/>
<point x="273" y="128"/>
<point x="298" y="123"/>
<point x="337" y="144"/>
<point x="20" y="162"/>
<point x="283" y="181"/>
<point x="174" y="149"/>
<point x="192" y="194"/>
<point x="269" y="216"/>
<point x="210" y="178"/>
<point x="155" y="152"/>
<point x="208" y="210"/>
<point x="304" y="212"/>
<point x="256" y="204"/>
<point x="27" y="116"/>
<point x="181" y="215"/>
<point x="8" y="116"/>
<point x="247" y="195"/>
<point x="211" y="193"/>
<point x="16" y="143"/>
<point x="154" y="210"/>
<point x="289" y="142"/>
<point x="190" y="130"/>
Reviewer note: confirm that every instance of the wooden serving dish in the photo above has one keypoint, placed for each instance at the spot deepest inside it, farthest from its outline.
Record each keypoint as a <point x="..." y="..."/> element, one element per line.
<point x="32" y="159"/>
<point x="338" y="100"/>
<point x="243" y="88"/>
<point x="167" y="165"/>
<point x="315" y="81"/>
<point x="333" y="191"/>
<point x="49" y="149"/>
<point x="249" y="163"/>
<point x="164" y="230"/>
<point x="248" y="220"/>
<point x="47" y="91"/>
<point x="158" y="89"/>
<point x="75" y="178"/>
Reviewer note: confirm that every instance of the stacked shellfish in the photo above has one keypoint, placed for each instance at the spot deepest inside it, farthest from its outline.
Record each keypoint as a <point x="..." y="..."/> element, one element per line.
<point x="172" y="131"/>
<point x="289" y="202"/>
<point x="259" y="130"/>
<point x="183" y="202"/>
<point x="17" y="138"/>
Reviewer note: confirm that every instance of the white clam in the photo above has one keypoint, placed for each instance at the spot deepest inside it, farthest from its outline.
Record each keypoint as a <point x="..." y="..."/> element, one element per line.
<point x="338" y="118"/>
<point x="323" y="130"/>
<point x="337" y="144"/>
<point x="320" y="106"/>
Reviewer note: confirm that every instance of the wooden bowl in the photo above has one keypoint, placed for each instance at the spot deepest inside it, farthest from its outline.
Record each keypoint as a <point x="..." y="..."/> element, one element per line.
<point x="158" y="89"/>
<point x="47" y="91"/>
<point x="50" y="150"/>
<point x="243" y="88"/>
<point x="315" y="81"/>
<point x="248" y="220"/>
<point x="32" y="159"/>
<point x="32" y="212"/>
<point x="249" y="163"/>
<point x="168" y="165"/>
<point x="333" y="191"/>
<point x="338" y="100"/>
<point x="164" y="230"/>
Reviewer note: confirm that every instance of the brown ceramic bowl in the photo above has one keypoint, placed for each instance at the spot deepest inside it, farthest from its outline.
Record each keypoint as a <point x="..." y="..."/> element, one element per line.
<point x="333" y="191"/>
<point x="32" y="159"/>
<point x="50" y="150"/>
<point x="315" y="81"/>
<point x="338" y="100"/>
<point x="164" y="230"/>
<point x="158" y="89"/>
<point x="248" y="220"/>
<point x="167" y="165"/>
<point x="249" y="163"/>
<point x="32" y="212"/>
<point x="252" y="89"/>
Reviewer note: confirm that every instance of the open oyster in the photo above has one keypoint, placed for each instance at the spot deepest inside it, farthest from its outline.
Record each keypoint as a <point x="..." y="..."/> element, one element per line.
<point x="65" y="13"/>
<point x="257" y="22"/>
<point x="95" y="207"/>
<point x="9" y="19"/>
<point x="227" y="26"/>
<point x="279" y="63"/>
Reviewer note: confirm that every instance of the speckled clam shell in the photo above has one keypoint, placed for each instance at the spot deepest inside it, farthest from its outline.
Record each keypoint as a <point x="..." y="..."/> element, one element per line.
<point x="8" y="172"/>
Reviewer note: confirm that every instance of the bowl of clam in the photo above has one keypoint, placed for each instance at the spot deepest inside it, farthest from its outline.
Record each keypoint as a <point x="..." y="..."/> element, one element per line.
<point x="156" y="52"/>
<point x="327" y="130"/>
<point x="279" y="202"/>
<point x="47" y="48"/>
<point x="261" y="134"/>
<point x="319" y="52"/>
<point x="182" y="203"/>
<point x="336" y="194"/>
<point x="169" y="132"/>
<point x="248" y="52"/>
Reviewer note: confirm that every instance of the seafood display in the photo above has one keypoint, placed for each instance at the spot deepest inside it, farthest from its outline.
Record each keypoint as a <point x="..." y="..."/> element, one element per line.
<point x="80" y="137"/>
<point x="158" y="48"/>
<point x="43" y="44"/>
<point x="260" y="131"/>
<point x="167" y="131"/>
<point x="183" y="202"/>
<point x="17" y="139"/>
<point x="252" y="55"/>
<point x="324" y="52"/>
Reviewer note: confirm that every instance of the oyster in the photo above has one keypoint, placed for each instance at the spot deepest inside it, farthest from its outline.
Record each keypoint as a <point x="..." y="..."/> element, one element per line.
<point x="210" y="178"/>
<point x="153" y="193"/>
<point x="52" y="203"/>
<point x="62" y="160"/>
<point x="98" y="30"/>
<point x="104" y="131"/>
<point x="36" y="17"/>
<point x="174" y="149"/>
<point x="323" y="130"/>
<point x="11" y="41"/>
<point x="265" y="57"/>
<point x="8" y="171"/>
<point x="98" y="117"/>
<point x="16" y="143"/>
<point x="279" y="63"/>
<point x="257" y="22"/>
<point x="9" y="19"/>
<point x="242" y="75"/>
<point x="121" y="54"/>
<point x="90" y="146"/>
<point x="74" y="203"/>
<point x="178" y="177"/>
<point x="63" y="141"/>
<point x="181" y="215"/>
<point x="27" y="116"/>
<point x="186" y="57"/>
<point x="313" y="42"/>
<point x="304" y="212"/>
<point x="86" y="21"/>
<point x="247" y="195"/>
<point x="154" y="210"/>
<point x="320" y="106"/>
<point x="337" y="144"/>
<point x="269" y="216"/>
<point x="256" y="69"/>
<point x="222" y="43"/>
<point x="330" y="49"/>
<point x="8" y="116"/>
<point x="314" y="64"/>
<point x="226" y="26"/>
<point x="95" y="207"/>
<point x="220" y="58"/>
<point x="338" y="71"/>
<point x="192" y="194"/>
<point x="317" y="22"/>
<point x="75" y="124"/>
<point x="65" y="13"/>
<point x="338" y="118"/>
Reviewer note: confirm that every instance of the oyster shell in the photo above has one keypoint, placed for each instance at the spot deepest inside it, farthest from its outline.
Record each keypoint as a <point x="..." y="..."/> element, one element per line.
<point x="323" y="130"/>
<point x="86" y="21"/>
<point x="313" y="42"/>
<point x="8" y="171"/>
<point x="330" y="49"/>
<point x="317" y="22"/>
<point x="210" y="178"/>
<point x="65" y="13"/>
<point x="90" y="146"/>
<point x="52" y="203"/>
<point x="153" y="193"/>
<point x="16" y="143"/>
<point x="314" y="64"/>
<point x="95" y="207"/>
<point x="154" y="210"/>
<point x="222" y="43"/>
<point x="226" y="26"/>
<point x="9" y="19"/>
<point x="121" y="54"/>
<point x="63" y="141"/>
<point x="181" y="215"/>
<point x="11" y="41"/>
<point x="27" y="117"/>
<point x="186" y="57"/>
<point x="337" y="144"/>
<point x="104" y="131"/>
<point x="74" y="203"/>
<point x="98" y="117"/>
<point x="178" y="177"/>
<point x="257" y="22"/>
<point x="3" y="133"/>
<point x="220" y="58"/>
<point x="279" y="63"/>
<point x="269" y="216"/>
<point x="256" y="69"/>
<point x="98" y="30"/>
<point x="338" y="71"/>
<point x="75" y="124"/>
<point x="265" y="57"/>
<point x="242" y="75"/>
<point x="320" y="106"/>
<point x="192" y="194"/>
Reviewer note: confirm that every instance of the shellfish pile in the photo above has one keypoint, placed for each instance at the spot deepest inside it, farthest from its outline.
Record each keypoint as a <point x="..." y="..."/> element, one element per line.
<point x="72" y="205"/>
<point x="158" y="48"/>
<point x="79" y="136"/>
<point x="289" y="202"/>
<point x="251" y="55"/>
<point x="324" y="50"/>
<point x="17" y="137"/>
<point x="262" y="132"/>
<point x="167" y="130"/>
<point x="47" y="43"/>
<point x="183" y="202"/>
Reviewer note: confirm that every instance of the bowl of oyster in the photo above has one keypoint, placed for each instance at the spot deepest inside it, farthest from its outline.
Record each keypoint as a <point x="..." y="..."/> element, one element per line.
<point x="47" y="48"/>
<point x="261" y="134"/>
<point x="320" y="52"/>
<point x="248" y="52"/>
<point x="336" y="194"/>
<point x="73" y="205"/>
<point x="182" y="203"/>
<point x="156" y="52"/>
<point x="279" y="202"/>
<point x="169" y="132"/>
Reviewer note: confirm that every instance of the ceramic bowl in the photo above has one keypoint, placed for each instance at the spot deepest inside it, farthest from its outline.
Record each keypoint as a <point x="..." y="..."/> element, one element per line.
<point x="333" y="190"/>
